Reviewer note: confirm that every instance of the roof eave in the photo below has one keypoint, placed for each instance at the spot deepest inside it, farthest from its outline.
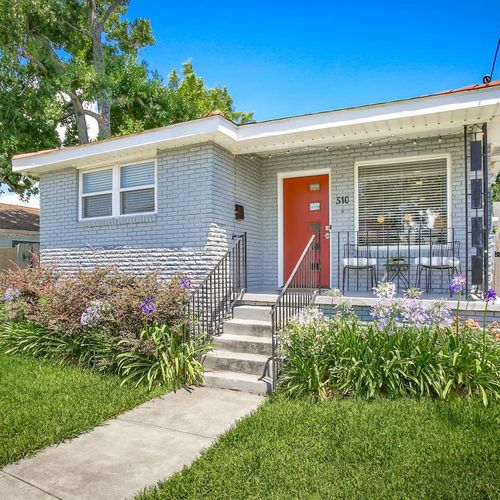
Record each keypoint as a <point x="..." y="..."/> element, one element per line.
<point x="270" y="134"/>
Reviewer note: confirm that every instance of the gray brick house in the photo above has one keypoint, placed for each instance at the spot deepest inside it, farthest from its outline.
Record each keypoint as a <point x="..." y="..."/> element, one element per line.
<point x="386" y="177"/>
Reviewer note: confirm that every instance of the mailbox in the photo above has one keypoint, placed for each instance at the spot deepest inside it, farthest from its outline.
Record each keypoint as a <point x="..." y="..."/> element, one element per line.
<point x="239" y="212"/>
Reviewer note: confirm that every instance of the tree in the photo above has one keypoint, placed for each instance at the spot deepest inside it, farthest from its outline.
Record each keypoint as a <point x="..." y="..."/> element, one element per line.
<point x="29" y="112"/>
<point x="146" y="102"/>
<point x="71" y="43"/>
<point x="63" y="55"/>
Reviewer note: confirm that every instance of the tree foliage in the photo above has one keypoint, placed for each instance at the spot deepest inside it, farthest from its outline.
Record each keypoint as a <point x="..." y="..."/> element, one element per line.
<point x="65" y="61"/>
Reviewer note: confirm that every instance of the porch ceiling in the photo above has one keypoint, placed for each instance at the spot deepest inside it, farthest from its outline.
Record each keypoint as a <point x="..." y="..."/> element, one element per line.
<point x="438" y="114"/>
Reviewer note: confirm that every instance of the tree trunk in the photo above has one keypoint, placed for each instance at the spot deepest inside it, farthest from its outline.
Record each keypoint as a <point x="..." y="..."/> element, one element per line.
<point x="81" y="123"/>
<point x="104" y="99"/>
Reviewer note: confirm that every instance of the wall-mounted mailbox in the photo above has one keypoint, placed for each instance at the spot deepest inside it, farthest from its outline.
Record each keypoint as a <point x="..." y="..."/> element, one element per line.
<point x="239" y="212"/>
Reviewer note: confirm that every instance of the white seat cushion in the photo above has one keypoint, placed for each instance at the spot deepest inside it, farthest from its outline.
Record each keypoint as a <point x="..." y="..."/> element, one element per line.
<point x="437" y="261"/>
<point x="359" y="262"/>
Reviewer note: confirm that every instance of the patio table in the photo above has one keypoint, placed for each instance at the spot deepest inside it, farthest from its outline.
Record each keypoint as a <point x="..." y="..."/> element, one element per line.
<point x="396" y="269"/>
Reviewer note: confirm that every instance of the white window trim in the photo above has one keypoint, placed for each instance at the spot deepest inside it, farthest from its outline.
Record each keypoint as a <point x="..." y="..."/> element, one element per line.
<point x="405" y="159"/>
<point x="116" y="190"/>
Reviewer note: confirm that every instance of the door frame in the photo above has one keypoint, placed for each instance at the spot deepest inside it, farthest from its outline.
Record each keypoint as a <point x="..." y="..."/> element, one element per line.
<point x="281" y="237"/>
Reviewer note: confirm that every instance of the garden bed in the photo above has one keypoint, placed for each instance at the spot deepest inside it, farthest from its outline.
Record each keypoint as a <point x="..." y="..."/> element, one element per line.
<point x="137" y="327"/>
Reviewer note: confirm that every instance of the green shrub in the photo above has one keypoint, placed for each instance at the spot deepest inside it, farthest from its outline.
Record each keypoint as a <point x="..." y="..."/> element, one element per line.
<point x="94" y="350"/>
<point x="170" y="359"/>
<point x="105" y="320"/>
<point x="342" y="356"/>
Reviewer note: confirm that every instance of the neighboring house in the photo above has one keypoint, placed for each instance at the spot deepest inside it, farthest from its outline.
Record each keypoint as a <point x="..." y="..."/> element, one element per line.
<point x="397" y="190"/>
<point x="18" y="224"/>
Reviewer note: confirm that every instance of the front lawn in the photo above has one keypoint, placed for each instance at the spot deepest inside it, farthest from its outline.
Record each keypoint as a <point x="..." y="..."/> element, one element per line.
<point x="350" y="449"/>
<point x="43" y="402"/>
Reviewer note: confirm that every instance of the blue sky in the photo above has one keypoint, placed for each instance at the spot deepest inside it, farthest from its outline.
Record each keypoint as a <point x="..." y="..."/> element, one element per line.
<point x="285" y="58"/>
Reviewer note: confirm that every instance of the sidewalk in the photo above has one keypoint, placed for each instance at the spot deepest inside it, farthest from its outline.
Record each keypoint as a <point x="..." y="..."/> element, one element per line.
<point x="124" y="455"/>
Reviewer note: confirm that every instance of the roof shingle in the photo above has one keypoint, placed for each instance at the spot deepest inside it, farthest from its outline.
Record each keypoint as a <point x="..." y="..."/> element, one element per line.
<point x="19" y="218"/>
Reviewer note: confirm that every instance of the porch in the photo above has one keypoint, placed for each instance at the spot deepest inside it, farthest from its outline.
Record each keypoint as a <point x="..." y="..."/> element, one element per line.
<point x="411" y="211"/>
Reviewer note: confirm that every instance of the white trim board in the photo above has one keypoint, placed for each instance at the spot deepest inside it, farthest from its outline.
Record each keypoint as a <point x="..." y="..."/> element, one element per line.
<point x="281" y="242"/>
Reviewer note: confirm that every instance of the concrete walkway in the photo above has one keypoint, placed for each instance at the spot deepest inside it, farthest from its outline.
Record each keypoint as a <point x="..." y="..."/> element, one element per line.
<point x="124" y="455"/>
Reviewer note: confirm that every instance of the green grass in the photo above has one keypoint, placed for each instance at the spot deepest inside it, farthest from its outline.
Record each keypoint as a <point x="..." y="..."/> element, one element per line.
<point x="350" y="449"/>
<point x="43" y="402"/>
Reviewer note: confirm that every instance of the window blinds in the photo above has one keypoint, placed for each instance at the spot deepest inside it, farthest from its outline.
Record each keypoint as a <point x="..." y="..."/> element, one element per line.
<point x="403" y="196"/>
<point x="94" y="182"/>
<point x="120" y="190"/>
<point x="99" y="205"/>
<point x="137" y="175"/>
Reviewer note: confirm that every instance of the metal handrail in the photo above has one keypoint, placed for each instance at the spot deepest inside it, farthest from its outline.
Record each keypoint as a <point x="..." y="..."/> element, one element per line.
<point x="211" y="303"/>
<point x="299" y="292"/>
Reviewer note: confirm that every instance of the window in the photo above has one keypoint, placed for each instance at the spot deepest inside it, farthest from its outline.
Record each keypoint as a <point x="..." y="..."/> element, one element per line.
<point x="137" y="188"/>
<point x="118" y="190"/>
<point x="403" y="202"/>
<point x="97" y="194"/>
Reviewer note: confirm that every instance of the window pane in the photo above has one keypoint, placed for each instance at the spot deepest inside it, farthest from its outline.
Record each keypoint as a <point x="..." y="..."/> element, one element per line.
<point x="134" y="202"/>
<point x="97" y="206"/>
<point x="94" y="182"/>
<point x="137" y="175"/>
<point x="407" y="200"/>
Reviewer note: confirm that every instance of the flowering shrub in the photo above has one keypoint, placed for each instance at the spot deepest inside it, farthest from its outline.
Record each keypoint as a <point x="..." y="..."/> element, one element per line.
<point x="103" y="298"/>
<point x="98" y="319"/>
<point x="390" y="312"/>
<point x="411" y="349"/>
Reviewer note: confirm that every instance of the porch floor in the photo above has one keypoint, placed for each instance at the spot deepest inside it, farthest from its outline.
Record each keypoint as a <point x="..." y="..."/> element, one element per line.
<point x="274" y="292"/>
<point x="269" y="295"/>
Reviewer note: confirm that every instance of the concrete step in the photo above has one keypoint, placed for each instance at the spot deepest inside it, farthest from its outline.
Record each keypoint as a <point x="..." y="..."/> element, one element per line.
<point x="221" y="360"/>
<point x="260" y="313"/>
<point x="244" y="343"/>
<point x="251" y="327"/>
<point x="258" y="299"/>
<point x="238" y="382"/>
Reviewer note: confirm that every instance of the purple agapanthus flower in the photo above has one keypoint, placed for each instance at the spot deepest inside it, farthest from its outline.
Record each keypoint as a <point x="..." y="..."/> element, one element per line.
<point x="148" y="305"/>
<point x="491" y="296"/>
<point x="457" y="284"/>
<point x="439" y="314"/>
<point x="185" y="282"/>
<point x="11" y="294"/>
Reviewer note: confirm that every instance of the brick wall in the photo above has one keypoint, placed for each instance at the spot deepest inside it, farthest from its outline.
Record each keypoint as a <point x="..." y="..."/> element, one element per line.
<point x="193" y="226"/>
<point x="198" y="187"/>
<point x="340" y="161"/>
<point x="239" y="181"/>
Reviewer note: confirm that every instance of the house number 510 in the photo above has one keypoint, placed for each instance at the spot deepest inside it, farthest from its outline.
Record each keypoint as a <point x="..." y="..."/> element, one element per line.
<point x="342" y="200"/>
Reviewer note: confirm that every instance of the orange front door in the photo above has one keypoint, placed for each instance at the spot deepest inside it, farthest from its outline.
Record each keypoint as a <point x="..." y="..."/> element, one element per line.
<point x="305" y="212"/>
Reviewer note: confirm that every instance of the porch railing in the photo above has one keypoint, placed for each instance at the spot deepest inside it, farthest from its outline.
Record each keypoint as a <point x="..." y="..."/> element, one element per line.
<point x="212" y="301"/>
<point x="298" y="293"/>
<point x="424" y="258"/>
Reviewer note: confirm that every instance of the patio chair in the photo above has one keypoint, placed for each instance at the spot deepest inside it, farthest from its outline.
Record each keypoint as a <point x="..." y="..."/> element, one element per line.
<point x="358" y="258"/>
<point x="443" y="257"/>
